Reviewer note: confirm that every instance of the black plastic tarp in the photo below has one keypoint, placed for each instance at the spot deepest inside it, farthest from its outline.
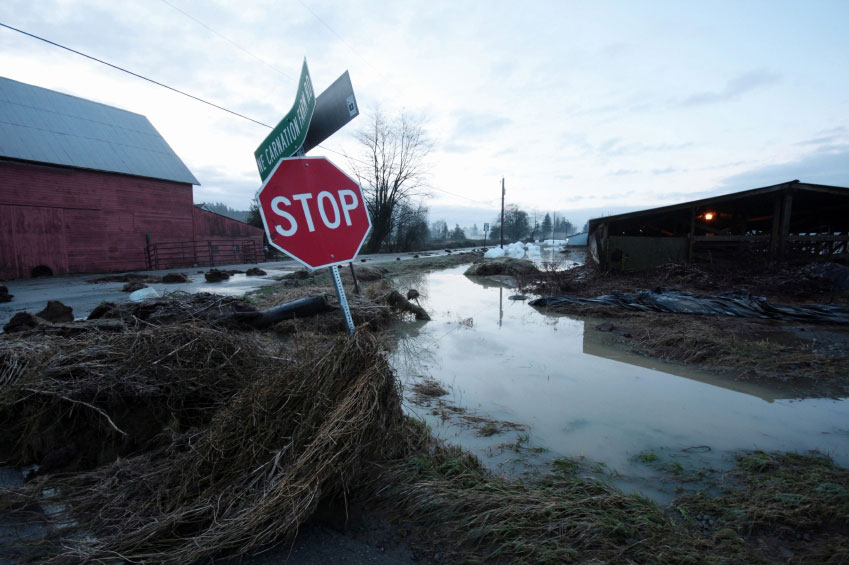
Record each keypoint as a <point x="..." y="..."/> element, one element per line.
<point x="739" y="304"/>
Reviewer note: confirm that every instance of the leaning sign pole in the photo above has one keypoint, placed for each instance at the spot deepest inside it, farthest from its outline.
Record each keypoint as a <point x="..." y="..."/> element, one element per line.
<point x="311" y="209"/>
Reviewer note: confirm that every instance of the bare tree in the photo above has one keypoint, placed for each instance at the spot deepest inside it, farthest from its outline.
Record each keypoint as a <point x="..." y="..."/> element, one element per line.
<point x="391" y="170"/>
<point x="516" y="225"/>
<point x="411" y="229"/>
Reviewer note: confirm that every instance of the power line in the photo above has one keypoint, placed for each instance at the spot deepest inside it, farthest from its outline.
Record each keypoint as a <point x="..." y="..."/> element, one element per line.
<point x="198" y="99"/>
<point x="178" y="91"/>
<point x="228" y="40"/>
<point x="333" y="31"/>
<point x="375" y="69"/>
<point x="432" y="187"/>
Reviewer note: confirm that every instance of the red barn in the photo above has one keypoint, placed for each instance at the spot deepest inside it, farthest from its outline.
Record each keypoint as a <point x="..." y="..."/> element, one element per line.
<point x="86" y="187"/>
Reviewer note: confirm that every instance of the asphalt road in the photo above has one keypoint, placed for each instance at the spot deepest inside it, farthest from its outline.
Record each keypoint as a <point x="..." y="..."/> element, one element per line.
<point x="78" y="292"/>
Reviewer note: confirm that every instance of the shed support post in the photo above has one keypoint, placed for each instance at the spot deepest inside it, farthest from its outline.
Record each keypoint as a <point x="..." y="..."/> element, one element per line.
<point x="786" y="210"/>
<point x="776" y="228"/>
<point x="692" y="242"/>
<point x="604" y="252"/>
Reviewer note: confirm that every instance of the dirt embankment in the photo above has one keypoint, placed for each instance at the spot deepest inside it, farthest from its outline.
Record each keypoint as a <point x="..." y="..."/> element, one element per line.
<point x="774" y="352"/>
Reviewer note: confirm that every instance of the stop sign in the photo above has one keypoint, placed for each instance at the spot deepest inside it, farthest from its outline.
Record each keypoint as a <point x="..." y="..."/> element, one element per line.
<point x="313" y="212"/>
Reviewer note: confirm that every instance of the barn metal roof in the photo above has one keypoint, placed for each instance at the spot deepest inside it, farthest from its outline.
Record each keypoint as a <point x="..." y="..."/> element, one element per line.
<point x="46" y="126"/>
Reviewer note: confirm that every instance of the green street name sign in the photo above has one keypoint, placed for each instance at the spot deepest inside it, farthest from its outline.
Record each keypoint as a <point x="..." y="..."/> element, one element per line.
<point x="288" y="137"/>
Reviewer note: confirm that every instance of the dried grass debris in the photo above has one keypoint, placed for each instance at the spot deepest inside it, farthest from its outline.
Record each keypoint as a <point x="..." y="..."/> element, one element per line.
<point x="251" y="464"/>
<point x="428" y="389"/>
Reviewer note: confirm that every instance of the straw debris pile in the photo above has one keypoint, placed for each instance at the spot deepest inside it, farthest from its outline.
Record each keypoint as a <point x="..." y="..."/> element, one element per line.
<point x="182" y="442"/>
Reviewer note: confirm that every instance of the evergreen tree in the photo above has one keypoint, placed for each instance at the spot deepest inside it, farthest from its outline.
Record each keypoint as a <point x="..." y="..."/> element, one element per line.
<point x="546" y="227"/>
<point x="254" y="219"/>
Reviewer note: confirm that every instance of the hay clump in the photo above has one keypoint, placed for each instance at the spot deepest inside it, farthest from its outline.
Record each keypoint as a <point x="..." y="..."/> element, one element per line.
<point x="270" y="445"/>
<point x="428" y="389"/>
<point x="110" y="395"/>
<point x="204" y="308"/>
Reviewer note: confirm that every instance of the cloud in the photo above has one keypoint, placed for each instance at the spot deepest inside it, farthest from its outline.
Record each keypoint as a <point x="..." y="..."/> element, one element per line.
<point x="616" y="147"/>
<point x="596" y="110"/>
<point x="831" y="137"/>
<point x="665" y="171"/>
<point x="616" y="49"/>
<point x="828" y="139"/>
<point x="623" y="172"/>
<point x="830" y="167"/>
<point x="510" y="150"/>
<point x="579" y="216"/>
<point x="612" y="146"/>
<point x="734" y="88"/>
<point x="472" y="125"/>
<point x="822" y="167"/>
<point x="838" y="129"/>
<point x="218" y="184"/>
<point x="669" y="198"/>
<point x="452" y="147"/>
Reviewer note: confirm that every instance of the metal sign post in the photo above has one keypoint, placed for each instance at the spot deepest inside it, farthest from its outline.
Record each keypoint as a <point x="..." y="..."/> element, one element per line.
<point x="343" y="300"/>
<point x="311" y="210"/>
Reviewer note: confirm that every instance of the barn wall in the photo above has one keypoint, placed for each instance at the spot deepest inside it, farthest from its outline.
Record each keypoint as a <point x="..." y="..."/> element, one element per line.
<point x="632" y="253"/>
<point x="222" y="240"/>
<point x="73" y="220"/>
<point x="209" y="225"/>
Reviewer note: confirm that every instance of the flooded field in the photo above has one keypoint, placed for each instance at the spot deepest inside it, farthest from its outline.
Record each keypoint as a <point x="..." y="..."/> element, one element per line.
<point x="523" y="388"/>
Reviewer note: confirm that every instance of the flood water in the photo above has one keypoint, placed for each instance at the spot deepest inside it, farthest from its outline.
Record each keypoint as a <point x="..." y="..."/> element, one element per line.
<point x="501" y="359"/>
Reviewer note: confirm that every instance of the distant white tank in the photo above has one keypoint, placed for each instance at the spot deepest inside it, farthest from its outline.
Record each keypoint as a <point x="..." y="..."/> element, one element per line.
<point x="577" y="240"/>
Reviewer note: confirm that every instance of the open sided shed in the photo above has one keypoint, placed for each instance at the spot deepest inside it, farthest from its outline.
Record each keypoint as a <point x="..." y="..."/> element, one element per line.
<point x="793" y="220"/>
<point x="86" y="187"/>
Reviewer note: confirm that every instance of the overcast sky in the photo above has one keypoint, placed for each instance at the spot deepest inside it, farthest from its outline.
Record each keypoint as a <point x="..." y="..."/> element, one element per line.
<point x="584" y="108"/>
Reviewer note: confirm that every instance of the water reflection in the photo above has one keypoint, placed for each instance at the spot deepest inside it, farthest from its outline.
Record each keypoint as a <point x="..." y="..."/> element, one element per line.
<point x="504" y="360"/>
<point x="594" y="345"/>
<point x="500" y="306"/>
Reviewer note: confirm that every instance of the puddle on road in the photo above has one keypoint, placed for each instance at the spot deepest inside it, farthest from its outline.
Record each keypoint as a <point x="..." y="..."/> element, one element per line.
<point x="238" y="284"/>
<point x="501" y="359"/>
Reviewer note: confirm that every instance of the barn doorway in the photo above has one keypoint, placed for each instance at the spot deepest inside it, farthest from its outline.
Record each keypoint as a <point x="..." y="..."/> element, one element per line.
<point x="41" y="271"/>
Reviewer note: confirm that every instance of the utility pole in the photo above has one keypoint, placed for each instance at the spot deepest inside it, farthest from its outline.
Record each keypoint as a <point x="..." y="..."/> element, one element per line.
<point x="502" y="212"/>
<point x="553" y="226"/>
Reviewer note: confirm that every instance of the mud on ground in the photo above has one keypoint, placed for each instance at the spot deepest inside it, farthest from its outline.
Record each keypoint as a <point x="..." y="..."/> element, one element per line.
<point x="229" y="463"/>
<point x="168" y="432"/>
<point x="802" y="356"/>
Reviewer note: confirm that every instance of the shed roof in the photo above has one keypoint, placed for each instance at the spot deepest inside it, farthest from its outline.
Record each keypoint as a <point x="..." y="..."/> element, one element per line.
<point x="713" y="200"/>
<point x="45" y="126"/>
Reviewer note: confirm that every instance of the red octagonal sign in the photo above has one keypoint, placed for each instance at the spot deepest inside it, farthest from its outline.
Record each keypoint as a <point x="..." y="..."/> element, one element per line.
<point x="313" y="212"/>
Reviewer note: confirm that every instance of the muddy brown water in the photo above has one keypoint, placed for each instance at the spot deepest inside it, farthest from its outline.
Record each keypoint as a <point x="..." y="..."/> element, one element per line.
<point x="502" y="360"/>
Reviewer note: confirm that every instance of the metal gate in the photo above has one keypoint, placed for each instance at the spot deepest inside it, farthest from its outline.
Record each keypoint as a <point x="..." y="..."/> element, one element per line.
<point x="209" y="253"/>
